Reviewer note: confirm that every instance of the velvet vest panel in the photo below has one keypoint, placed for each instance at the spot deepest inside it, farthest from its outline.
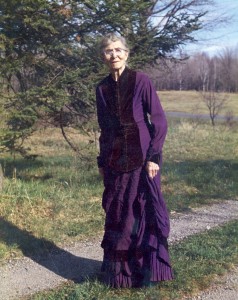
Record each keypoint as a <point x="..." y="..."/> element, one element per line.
<point x="126" y="152"/>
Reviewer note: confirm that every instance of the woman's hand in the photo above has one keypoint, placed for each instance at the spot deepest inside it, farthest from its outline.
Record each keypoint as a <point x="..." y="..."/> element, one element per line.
<point x="152" y="169"/>
<point x="101" y="172"/>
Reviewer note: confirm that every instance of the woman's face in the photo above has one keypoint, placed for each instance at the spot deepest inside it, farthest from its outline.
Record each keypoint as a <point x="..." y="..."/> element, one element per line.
<point x="115" y="56"/>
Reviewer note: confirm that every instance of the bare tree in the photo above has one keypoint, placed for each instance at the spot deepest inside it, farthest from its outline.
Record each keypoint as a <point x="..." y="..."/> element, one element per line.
<point x="203" y="70"/>
<point x="228" y="63"/>
<point x="214" y="102"/>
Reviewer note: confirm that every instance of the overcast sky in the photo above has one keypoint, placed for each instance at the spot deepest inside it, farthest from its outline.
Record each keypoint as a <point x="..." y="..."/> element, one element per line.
<point x="224" y="34"/>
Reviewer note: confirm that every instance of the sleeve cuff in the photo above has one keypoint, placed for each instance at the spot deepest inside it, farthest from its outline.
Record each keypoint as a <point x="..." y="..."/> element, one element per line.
<point x="154" y="158"/>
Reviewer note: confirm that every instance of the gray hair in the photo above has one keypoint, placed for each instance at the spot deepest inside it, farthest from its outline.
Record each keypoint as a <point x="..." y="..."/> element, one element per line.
<point x="110" y="38"/>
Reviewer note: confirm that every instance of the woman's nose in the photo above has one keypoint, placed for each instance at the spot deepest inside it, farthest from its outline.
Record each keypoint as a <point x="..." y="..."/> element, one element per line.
<point x="113" y="54"/>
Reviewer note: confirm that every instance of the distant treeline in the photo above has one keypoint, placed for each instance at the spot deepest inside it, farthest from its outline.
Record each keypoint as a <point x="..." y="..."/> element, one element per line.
<point x="200" y="72"/>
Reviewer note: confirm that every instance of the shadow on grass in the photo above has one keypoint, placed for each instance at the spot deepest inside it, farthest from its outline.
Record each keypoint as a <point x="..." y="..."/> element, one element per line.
<point x="48" y="255"/>
<point x="20" y="164"/>
<point x="25" y="168"/>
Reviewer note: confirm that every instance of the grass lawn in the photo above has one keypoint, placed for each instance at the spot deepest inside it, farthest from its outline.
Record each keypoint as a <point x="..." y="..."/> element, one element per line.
<point x="200" y="164"/>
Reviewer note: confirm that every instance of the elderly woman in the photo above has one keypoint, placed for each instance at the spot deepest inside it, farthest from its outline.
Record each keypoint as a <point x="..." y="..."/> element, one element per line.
<point x="137" y="223"/>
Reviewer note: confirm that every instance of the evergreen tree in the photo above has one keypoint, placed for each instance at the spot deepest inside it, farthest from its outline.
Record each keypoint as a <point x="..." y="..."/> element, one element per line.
<point x="49" y="59"/>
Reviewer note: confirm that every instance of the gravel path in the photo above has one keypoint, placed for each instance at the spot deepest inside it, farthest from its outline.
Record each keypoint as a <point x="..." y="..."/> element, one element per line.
<point x="26" y="276"/>
<point x="225" y="288"/>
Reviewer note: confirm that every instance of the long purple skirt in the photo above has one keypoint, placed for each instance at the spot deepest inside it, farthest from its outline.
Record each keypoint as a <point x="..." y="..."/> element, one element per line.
<point x="136" y="230"/>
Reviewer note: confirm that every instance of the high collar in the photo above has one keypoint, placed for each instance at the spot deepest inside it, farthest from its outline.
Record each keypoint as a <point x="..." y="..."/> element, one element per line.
<point x="122" y="76"/>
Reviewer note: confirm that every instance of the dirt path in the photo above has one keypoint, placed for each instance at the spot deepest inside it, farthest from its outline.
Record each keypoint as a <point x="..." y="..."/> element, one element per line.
<point x="26" y="276"/>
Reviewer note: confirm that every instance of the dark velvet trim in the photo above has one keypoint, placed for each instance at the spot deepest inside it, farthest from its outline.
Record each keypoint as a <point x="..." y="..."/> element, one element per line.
<point x="126" y="149"/>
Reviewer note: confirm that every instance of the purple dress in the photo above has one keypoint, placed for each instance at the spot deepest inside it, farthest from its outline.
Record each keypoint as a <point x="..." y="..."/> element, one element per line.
<point x="133" y="129"/>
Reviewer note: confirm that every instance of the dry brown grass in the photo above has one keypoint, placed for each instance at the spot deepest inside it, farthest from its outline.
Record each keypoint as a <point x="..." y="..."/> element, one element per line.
<point x="191" y="102"/>
<point x="48" y="141"/>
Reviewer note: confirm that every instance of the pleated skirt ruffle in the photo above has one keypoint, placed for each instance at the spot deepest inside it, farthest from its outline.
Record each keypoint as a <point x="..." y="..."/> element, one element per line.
<point x="128" y="274"/>
<point x="136" y="228"/>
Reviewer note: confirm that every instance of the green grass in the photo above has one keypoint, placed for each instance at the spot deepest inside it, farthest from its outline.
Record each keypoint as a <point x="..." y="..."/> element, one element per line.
<point x="53" y="198"/>
<point x="200" y="164"/>
<point x="57" y="197"/>
<point x="197" y="261"/>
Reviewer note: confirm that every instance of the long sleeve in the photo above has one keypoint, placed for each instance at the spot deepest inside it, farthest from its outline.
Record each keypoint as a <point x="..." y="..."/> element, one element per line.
<point x="158" y="122"/>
